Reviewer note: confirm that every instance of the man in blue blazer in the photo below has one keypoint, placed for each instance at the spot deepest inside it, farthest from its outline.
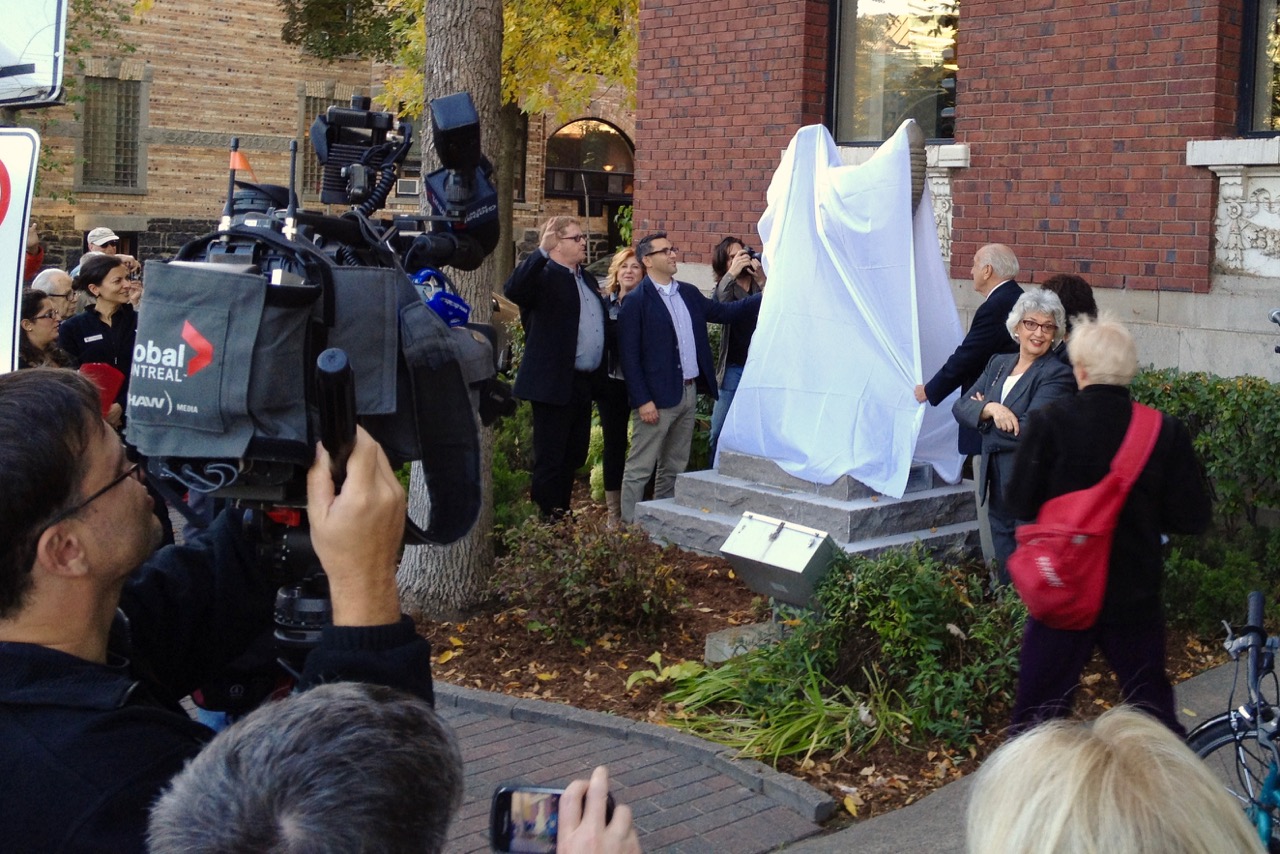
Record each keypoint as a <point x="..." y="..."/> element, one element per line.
<point x="666" y="359"/>
<point x="994" y="269"/>
<point x="563" y="316"/>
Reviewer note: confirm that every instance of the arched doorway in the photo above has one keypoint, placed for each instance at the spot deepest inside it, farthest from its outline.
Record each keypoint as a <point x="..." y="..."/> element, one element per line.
<point x="593" y="162"/>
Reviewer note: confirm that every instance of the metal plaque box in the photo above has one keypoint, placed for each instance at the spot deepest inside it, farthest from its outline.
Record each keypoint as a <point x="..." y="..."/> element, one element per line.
<point x="778" y="558"/>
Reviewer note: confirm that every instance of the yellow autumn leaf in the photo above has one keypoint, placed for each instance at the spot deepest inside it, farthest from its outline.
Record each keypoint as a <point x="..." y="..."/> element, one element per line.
<point x="544" y="677"/>
<point x="456" y="641"/>
<point x="851" y="804"/>
<point x="444" y="656"/>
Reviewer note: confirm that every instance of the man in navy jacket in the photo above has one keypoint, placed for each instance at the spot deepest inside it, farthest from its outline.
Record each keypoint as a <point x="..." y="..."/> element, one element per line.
<point x="994" y="269"/>
<point x="563" y="316"/>
<point x="666" y="360"/>
<point x="100" y="638"/>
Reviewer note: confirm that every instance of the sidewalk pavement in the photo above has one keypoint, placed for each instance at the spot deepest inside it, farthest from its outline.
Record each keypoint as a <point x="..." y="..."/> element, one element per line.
<point x="689" y="795"/>
<point x="686" y="794"/>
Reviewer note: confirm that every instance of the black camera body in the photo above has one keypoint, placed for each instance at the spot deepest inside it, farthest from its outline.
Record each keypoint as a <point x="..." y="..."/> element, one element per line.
<point x="228" y="406"/>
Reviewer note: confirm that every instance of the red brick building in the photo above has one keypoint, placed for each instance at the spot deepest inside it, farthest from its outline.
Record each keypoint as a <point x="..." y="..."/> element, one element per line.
<point x="1131" y="143"/>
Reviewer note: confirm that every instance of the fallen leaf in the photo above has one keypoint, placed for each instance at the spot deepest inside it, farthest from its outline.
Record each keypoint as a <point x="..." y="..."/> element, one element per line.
<point x="851" y="804"/>
<point x="456" y="641"/>
<point x="444" y="656"/>
<point x="548" y="676"/>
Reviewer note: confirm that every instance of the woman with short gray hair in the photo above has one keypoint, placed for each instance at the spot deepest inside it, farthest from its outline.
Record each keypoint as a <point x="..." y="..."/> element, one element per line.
<point x="1012" y="386"/>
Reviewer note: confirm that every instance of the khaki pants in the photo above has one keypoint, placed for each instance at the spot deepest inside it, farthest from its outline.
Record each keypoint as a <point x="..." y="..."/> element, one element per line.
<point x="664" y="445"/>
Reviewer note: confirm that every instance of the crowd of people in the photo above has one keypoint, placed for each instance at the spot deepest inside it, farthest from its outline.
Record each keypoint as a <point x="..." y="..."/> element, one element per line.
<point x="101" y="634"/>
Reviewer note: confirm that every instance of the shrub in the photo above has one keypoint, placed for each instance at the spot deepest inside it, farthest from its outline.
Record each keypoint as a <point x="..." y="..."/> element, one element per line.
<point x="901" y="644"/>
<point x="1235" y="427"/>
<point x="578" y="578"/>
<point x="512" y="462"/>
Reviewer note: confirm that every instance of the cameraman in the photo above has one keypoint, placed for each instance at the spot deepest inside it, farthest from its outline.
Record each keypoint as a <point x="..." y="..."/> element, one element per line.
<point x="100" y="638"/>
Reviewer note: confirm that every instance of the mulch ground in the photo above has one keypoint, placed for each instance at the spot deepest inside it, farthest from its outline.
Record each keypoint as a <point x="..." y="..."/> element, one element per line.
<point x="498" y="652"/>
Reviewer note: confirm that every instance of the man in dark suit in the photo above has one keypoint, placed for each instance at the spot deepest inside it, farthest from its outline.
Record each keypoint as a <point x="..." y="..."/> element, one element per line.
<point x="994" y="269"/>
<point x="666" y="359"/>
<point x="563" y="318"/>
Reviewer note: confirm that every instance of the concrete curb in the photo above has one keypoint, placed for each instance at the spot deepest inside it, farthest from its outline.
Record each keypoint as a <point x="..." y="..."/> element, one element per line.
<point x="810" y="803"/>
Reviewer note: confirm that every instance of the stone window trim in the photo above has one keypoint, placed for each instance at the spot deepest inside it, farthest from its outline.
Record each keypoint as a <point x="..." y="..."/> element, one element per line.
<point x="1246" y="235"/>
<point x="132" y="69"/>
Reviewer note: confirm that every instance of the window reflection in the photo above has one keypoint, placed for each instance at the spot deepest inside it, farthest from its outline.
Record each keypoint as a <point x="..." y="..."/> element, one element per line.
<point x="894" y="60"/>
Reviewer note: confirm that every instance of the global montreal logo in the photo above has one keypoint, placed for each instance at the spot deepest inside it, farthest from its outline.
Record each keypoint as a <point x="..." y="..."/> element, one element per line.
<point x="153" y="362"/>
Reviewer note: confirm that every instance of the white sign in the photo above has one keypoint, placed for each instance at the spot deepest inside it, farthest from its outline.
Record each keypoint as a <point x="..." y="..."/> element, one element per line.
<point x="19" y="148"/>
<point x="32" y="48"/>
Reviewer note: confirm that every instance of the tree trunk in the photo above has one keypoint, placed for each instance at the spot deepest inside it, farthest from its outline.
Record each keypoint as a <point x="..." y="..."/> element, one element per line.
<point x="504" y="258"/>
<point x="464" y="53"/>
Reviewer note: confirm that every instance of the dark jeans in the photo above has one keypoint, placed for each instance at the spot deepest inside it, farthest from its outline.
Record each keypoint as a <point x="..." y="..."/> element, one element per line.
<point x="561" y="435"/>
<point x="615" y="416"/>
<point x="1053" y="659"/>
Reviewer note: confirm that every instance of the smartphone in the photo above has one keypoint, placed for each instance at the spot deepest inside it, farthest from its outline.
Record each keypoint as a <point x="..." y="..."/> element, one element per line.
<point x="526" y="818"/>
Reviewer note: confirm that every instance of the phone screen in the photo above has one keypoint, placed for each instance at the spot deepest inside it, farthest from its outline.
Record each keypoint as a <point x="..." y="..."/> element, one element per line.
<point x="525" y="819"/>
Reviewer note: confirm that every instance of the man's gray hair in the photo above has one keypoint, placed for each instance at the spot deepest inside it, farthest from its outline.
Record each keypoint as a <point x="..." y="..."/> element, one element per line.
<point x="1002" y="260"/>
<point x="1038" y="301"/>
<point x="343" y="767"/>
<point x="46" y="277"/>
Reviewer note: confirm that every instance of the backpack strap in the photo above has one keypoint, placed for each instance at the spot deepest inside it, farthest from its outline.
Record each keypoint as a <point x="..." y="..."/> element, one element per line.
<point x="1139" y="442"/>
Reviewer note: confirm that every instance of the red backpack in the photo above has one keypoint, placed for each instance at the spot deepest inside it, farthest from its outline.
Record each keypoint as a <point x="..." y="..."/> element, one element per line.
<point x="1060" y="565"/>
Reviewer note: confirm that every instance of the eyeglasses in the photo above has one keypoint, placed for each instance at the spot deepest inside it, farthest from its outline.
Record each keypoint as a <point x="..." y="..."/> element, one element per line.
<point x="670" y="250"/>
<point x="119" y="479"/>
<point x="577" y="238"/>
<point x="110" y="243"/>
<point x="61" y="296"/>
<point x="1031" y="326"/>
<point x="48" y="315"/>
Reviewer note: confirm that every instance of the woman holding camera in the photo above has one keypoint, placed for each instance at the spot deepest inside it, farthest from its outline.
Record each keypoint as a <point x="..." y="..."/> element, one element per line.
<point x="738" y="275"/>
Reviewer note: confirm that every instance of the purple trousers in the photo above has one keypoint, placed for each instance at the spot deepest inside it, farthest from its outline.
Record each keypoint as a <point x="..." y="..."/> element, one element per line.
<point x="1053" y="659"/>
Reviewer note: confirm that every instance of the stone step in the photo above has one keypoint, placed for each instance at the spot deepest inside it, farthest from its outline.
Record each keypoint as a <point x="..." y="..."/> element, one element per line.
<point x="705" y="531"/>
<point x="760" y="470"/>
<point x="846" y="521"/>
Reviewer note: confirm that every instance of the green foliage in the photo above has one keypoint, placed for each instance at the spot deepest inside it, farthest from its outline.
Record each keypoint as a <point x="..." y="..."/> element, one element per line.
<point x="623" y="219"/>
<point x="1235" y="427"/>
<point x="1206" y="579"/>
<point x="332" y="30"/>
<point x="662" y="675"/>
<point x="906" y="646"/>
<point x="579" y="579"/>
<point x="512" y="463"/>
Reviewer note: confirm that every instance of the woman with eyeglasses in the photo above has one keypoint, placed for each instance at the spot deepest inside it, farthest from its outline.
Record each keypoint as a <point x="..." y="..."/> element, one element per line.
<point x="105" y="331"/>
<point x="999" y="403"/>
<point x="38" y="344"/>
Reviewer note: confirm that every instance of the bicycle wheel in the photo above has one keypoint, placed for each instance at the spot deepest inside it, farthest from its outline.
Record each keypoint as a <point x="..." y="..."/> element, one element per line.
<point x="1229" y="746"/>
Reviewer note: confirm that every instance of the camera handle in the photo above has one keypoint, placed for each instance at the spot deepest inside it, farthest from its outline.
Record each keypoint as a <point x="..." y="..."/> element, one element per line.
<point x="336" y="399"/>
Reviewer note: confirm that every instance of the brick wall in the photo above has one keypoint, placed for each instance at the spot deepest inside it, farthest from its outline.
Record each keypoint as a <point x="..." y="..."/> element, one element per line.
<point x="722" y="89"/>
<point x="1077" y="117"/>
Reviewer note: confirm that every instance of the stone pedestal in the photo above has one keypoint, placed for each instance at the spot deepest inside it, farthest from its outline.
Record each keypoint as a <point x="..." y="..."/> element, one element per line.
<point x="708" y="504"/>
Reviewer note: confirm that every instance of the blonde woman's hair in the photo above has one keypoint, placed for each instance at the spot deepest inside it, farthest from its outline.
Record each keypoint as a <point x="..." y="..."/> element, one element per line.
<point x="1124" y="784"/>
<point x="1104" y="349"/>
<point x="611" y="278"/>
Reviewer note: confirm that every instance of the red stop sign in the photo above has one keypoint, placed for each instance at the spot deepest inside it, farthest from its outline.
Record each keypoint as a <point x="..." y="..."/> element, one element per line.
<point x="5" y="191"/>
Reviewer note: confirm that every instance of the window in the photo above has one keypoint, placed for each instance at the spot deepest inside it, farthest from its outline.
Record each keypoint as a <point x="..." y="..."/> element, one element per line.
<point x="591" y="161"/>
<point x="111" y="148"/>
<point x="311" y="168"/>
<point x="520" y="155"/>
<point x="894" y="60"/>
<point x="1260" y="81"/>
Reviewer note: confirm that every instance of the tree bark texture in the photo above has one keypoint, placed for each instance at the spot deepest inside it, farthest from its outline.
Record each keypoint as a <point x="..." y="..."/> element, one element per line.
<point x="464" y="53"/>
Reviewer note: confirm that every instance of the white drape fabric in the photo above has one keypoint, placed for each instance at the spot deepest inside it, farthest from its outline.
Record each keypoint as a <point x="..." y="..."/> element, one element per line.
<point x="858" y="310"/>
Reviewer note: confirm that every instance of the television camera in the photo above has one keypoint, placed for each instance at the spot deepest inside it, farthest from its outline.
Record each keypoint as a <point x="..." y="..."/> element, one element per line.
<point x="286" y="326"/>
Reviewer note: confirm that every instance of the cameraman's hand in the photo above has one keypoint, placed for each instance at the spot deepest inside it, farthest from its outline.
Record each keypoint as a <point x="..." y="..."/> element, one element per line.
<point x="584" y="831"/>
<point x="357" y="534"/>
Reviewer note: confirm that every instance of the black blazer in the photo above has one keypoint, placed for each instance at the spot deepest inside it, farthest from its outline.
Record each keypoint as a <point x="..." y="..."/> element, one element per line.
<point x="649" y="350"/>
<point x="1045" y="381"/>
<point x="987" y="336"/>
<point x="549" y="306"/>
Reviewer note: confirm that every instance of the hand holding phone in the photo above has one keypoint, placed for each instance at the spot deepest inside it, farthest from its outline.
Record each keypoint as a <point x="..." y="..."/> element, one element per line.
<point x="586" y="826"/>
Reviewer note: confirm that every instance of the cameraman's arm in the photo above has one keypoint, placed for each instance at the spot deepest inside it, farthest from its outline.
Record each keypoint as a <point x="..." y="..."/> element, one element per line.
<point x="357" y="535"/>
